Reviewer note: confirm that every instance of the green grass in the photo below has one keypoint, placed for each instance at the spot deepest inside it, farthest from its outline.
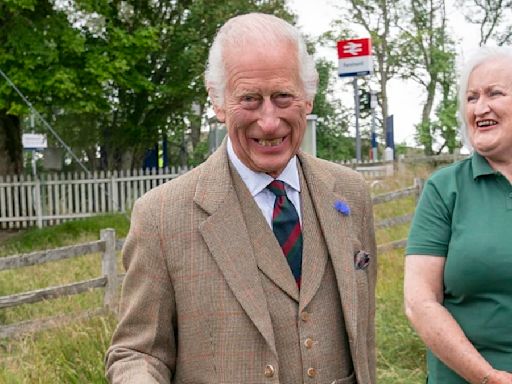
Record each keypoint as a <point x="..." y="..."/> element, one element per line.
<point x="70" y="232"/>
<point x="400" y="354"/>
<point x="71" y="354"/>
<point x="74" y="354"/>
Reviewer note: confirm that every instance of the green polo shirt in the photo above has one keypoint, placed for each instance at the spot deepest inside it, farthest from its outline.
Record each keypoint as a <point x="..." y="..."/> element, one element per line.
<point x="465" y="215"/>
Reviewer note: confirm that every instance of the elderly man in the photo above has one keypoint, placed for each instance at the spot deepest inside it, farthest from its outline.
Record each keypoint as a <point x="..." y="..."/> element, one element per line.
<point x="259" y="265"/>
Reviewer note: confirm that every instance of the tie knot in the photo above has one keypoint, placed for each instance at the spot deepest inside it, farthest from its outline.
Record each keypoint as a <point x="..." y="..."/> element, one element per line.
<point x="277" y="188"/>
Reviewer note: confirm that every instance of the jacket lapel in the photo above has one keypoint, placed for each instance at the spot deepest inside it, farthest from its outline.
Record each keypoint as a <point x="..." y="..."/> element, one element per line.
<point x="336" y="230"/>
<point x="228" y="240"/>
<point x="314" y="257"/>
<point x="267" y="252"/>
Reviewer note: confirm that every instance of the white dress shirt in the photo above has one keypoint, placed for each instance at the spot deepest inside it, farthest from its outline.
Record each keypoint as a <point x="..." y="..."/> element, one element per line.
<point x="256" y="183"/>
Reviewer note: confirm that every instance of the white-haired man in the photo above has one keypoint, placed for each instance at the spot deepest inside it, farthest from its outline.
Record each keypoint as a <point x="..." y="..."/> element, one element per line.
<point x="259" y="265"/>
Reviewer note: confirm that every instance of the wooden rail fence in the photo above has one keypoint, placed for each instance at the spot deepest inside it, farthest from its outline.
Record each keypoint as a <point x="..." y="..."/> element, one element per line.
<point x="415" y="190"/>
<point x="110" y="280"/>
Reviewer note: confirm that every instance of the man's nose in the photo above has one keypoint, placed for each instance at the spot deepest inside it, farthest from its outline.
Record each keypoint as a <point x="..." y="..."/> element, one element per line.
<point x="269" y="119"/>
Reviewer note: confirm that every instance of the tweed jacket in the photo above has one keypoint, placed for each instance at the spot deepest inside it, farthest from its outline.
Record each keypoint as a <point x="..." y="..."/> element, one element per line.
<point x="193" y="309"/>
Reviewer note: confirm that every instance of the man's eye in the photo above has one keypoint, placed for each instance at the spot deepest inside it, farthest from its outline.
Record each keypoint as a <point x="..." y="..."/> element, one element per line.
<point x="282" y="100"/>
<point x="250" y="101"/>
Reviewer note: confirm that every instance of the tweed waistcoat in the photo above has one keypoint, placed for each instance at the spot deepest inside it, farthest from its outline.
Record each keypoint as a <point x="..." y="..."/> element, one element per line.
<point x="309" y="327"/>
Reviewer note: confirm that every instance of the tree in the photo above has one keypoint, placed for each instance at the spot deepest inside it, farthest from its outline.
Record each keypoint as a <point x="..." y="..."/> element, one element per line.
<point x="331" y="127"/>
<point x="493" y="18"/>
<point x="160" y="51"/>
<point x="40" y="53"/>
<point x="428" y="57"/>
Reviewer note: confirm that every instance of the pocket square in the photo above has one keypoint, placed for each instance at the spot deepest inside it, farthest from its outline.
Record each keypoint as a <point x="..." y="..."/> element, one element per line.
<point x="361" y="260"/>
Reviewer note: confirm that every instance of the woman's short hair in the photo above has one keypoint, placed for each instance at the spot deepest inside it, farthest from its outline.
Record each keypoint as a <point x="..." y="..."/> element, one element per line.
<point x="261" y="30"/>
<point x="479" y="56"/>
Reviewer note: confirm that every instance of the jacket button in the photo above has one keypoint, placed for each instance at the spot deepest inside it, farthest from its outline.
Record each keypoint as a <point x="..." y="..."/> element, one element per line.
<point x="308" y="343"/>
<point x="305" y="316"/>
<point x="311" y="372"/>
<point x="269" y="371"/>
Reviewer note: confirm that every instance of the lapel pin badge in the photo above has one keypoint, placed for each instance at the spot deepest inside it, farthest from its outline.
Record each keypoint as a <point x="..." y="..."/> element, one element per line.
<point x="342" y="207"/>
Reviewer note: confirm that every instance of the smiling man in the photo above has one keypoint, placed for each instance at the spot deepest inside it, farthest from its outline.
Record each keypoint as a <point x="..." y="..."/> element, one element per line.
<point x="259" y="265"/>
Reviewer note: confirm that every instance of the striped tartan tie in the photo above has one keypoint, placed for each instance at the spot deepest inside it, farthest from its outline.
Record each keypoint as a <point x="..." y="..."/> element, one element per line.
<point x="286" y="226"/>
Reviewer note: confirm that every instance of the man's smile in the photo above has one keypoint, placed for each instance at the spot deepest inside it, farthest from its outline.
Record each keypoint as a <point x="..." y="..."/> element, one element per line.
<point x="270" y="142"/>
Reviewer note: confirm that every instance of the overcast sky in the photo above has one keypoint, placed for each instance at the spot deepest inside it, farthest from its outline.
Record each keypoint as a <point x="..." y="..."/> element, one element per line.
<point x="405" y="98"/>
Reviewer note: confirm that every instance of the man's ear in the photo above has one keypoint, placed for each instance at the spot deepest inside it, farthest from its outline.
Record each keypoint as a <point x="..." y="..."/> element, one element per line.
<point x="309" y="107"/>
<point x="220" y="113"/>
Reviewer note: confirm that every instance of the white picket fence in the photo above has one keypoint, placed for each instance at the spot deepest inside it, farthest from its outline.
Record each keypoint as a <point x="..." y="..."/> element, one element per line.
<point x="54" y="198"/>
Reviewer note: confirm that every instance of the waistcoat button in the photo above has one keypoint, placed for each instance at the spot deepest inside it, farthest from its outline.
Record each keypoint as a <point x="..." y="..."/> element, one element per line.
<point x="311" y="372"/>
<point x="308" y="343"/>
<point x="269" y="371"/>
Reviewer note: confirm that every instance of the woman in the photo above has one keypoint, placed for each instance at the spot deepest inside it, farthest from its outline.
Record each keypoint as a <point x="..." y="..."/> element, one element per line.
<point x="458" y="269"/>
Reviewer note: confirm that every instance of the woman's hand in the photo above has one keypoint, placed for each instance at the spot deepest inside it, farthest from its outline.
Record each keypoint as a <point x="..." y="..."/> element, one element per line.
<point x="500" y="377"/>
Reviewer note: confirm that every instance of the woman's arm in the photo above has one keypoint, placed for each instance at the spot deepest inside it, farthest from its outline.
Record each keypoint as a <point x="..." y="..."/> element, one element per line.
<point x="423" y="291"/>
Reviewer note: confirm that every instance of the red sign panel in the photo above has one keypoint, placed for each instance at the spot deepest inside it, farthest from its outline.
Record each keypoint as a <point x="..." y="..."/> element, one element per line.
<point x="354" y="48"/>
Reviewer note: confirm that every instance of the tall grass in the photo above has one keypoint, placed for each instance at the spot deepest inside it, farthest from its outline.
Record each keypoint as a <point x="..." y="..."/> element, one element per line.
<point x="400" y="353"/>
<point x="74" y="354"/>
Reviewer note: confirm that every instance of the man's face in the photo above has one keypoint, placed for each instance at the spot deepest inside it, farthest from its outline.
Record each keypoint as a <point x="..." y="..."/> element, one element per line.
<point x="265" y="108"/>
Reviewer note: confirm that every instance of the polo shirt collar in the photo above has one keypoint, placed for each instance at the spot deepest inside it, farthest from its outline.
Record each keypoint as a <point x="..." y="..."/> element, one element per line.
<point x="258" y="181"/>
<point x="480" y="166"/>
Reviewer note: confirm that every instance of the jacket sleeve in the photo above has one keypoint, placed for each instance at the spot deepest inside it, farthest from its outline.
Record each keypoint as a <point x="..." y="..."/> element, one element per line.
<point x="143" y="348"/>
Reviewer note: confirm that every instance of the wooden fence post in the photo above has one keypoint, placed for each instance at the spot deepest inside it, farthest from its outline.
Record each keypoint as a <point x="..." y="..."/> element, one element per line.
<point x="113" y="190"/>
<point x="38" y="203"/>
<point x="418" y="184"/>
<point x="109" y="268"/>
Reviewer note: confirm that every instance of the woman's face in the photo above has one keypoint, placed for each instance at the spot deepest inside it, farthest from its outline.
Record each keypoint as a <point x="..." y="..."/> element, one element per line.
<point x="489" y="109"/>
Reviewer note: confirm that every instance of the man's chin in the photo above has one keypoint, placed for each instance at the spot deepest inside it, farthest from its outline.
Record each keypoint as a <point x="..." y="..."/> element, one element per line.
<point x="274" y="171"/>
<point x="271" y="165"/>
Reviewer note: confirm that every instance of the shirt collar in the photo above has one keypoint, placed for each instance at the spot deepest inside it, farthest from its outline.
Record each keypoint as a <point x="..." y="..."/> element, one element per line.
<point x="480" y="166"/>
<point x="258" y="181"/>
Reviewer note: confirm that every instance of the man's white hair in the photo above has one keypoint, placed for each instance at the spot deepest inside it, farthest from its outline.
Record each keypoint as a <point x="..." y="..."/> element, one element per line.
<point x="481" y="55"/>
<point x="260" y="30"/>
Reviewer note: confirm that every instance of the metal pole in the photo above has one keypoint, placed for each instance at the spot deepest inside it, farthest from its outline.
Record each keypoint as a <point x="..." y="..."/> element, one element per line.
<point x="358" y="134"/>
<point x="373" y="103"/>
<point x="37" y="193"/>
<point x="34" y="165"/>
